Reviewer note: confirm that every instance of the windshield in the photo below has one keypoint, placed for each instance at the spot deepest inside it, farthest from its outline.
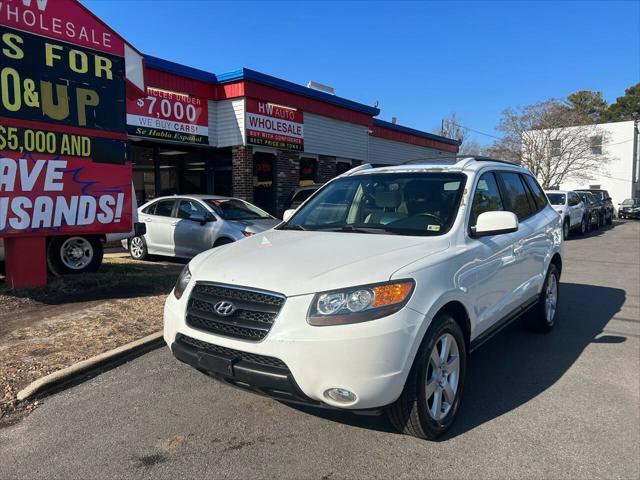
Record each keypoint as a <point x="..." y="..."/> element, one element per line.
<point x="628" y="201"/>
<point x="391" y="203"/>
<point x="234" y="209"/>
<point x="557" y="198"/>
<point x="585" y="198"/>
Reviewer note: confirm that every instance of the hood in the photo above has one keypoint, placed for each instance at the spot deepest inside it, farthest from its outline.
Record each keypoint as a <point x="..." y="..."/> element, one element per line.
<point x="256" y="226"/>
<point x="297" y="263"/>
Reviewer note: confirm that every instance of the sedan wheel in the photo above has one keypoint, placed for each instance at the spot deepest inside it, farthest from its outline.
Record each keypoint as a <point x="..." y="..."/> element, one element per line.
<point x="551" y="299"/>
<point x="138" y="248"/>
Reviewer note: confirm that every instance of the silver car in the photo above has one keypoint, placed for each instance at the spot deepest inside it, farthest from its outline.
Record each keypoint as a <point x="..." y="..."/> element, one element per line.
<point x="185" y="225"/>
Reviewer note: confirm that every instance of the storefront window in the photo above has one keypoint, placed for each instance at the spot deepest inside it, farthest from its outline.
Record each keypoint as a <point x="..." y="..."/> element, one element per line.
<point x="143" y="173"/>
<point x="342" y="166"/>
<point x="263" y="191"/>
<point x="308" y="170"/>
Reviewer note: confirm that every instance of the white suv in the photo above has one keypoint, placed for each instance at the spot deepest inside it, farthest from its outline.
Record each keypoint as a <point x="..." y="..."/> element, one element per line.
<point x="374" y="291"/>
<point x="572" y="210"/>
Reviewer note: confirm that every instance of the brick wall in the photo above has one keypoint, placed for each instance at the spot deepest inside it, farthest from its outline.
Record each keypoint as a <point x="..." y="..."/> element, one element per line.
<point x="242" y="172"/>
<point x="326" y="168"/>
<point x="287" y="176"/>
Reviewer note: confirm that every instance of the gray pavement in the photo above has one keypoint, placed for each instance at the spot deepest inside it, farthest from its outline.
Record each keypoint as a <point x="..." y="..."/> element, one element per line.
<point x="560" y="405"/>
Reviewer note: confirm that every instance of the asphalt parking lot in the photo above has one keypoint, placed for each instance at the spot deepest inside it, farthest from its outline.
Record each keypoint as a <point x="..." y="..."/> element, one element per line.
<point x="560" y="405"/>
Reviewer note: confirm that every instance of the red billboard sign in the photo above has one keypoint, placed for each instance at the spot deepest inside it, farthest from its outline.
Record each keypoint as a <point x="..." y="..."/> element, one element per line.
<point x="166" y="115"/>
<point x="272" y="125"/>
<point x="63" y="134"/>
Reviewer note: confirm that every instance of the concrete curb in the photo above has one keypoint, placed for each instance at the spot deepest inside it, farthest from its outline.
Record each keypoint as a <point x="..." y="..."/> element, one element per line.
<point x="76" y="370"/>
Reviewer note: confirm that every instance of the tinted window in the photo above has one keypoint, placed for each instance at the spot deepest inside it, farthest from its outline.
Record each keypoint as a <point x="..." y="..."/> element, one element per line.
<point x="537" y="192"/>
<point x="486" y="197"/>
<point x="517" y="201"/>
<point x="150" y="210"/>
<point x="164" y="208"/>
<point x="557" y="198"/>
<point x="190" y="207"/>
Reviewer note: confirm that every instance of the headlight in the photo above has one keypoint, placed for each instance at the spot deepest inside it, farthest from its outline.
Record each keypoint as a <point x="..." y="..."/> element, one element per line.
<point x="359" y="304"/>
<point x="183" y="281"/>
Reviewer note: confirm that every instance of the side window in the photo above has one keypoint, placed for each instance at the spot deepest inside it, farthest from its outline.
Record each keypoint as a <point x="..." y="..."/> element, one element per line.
<point x="151" y="209"/>
<point x="536" y="190"/>
<point x="486" y="197"/>
<point x="190" y="207"/>
<point x="516" y="194"/>
<point x="164" y="208"/>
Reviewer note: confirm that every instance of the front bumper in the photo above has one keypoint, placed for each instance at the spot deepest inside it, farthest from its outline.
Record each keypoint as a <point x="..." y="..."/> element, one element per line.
<point x="370" y="359"/>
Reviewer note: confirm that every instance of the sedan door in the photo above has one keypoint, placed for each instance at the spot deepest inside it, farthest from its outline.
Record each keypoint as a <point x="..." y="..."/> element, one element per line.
<point x="160" y="223"/>
<point x="192" y="237"/>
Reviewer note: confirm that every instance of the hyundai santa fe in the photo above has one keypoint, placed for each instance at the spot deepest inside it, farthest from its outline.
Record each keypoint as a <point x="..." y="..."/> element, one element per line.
<point x="371" y="295"/>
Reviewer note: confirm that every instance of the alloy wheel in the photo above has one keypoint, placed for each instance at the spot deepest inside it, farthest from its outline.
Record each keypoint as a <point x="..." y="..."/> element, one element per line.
<point x="443" y="375"/>
<point x="551" y="299"/>
<point x="137" y="247"/>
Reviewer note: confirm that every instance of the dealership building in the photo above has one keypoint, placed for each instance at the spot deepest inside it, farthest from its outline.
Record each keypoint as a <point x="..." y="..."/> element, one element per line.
<point x="254" y="136"/>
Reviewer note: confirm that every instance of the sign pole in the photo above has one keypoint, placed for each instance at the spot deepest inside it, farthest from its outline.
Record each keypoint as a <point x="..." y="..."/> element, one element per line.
<point x="25" y="261"/>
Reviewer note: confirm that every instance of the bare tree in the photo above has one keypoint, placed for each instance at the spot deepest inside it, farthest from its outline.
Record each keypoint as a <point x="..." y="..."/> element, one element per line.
<point x="555" y="143"/>
<point x="450" y="127"/>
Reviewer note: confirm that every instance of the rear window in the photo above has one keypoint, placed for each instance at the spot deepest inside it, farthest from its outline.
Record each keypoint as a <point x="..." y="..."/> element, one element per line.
<point x="537" y="192"/>
<point x="164" y="208"/>
<point x="517" y="195"/>
<point x="557" y="198"/>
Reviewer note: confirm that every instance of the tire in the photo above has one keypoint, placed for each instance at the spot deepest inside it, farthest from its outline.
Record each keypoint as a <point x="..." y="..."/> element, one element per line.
<point x="74" y="254"/>
<point x="138" y="248"/>
<point x="413" y="412"/>
<point x="540" y="318"/>
<point x="222" y="241"/>
<point x="583" y="227"/>
<point x="566" y="229"/>
<point x="610" y="219"/>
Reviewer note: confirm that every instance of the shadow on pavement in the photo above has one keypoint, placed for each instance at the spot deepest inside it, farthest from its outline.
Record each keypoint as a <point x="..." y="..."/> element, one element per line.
<point x="516" y="365"/>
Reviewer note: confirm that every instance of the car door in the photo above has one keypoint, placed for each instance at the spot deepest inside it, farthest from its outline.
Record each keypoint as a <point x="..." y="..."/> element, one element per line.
<point x="575" y="209"/>
<point x="192" y="237"/>
<point x="160" y="224"/>
<point x="496" y="268"/>
<point x="528" y="239"/>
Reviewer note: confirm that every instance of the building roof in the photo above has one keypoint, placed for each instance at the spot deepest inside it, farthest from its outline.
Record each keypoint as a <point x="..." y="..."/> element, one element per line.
<point x="254" y="76"/>
<point x="411" y="131"/>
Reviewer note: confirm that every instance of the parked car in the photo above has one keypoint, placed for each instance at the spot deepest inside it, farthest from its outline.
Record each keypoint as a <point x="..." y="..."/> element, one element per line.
<point x="595" y="210"/>
<point x="605" y="198"/>
<point x="79" y="253"/>
<point x="630" y="208"/>
<point x="299" y="195"/>
<point x="572" y="210"/>
<point x="375" y="306"/>
<point x="185" y="225"/>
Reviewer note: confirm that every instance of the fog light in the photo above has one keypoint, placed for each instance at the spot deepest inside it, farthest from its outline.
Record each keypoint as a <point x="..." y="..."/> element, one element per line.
<point x="340" y="395"/>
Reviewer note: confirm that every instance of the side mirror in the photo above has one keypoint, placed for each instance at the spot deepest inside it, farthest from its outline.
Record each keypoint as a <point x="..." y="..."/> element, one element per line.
<point x="288" y="214"/>
<point x="495" y="223"/>
<point x="198" y="217"/>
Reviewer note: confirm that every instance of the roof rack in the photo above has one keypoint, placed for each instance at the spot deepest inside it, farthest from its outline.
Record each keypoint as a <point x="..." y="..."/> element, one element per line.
<point x="453" y="159"/>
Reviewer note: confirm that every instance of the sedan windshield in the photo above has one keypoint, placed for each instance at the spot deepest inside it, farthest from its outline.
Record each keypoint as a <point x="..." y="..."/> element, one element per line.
<point x="628" y="201"/>
<point x="388" y="203"/>
<point x="557" y="198"/>
<point x="234" y="209"/>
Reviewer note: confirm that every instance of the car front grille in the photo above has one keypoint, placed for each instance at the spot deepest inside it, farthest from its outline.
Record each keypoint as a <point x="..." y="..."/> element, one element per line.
<point x="251" y="319"/>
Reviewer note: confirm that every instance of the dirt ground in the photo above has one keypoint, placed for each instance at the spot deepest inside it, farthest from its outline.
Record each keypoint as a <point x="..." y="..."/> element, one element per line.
<point x="74" y="318"/>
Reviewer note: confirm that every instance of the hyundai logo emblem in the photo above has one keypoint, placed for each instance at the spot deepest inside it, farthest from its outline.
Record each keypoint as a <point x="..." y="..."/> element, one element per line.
<point x="224" y="309"/>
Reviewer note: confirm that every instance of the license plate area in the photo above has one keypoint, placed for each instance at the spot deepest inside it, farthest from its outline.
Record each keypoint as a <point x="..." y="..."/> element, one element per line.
<point x="215" y="364"/>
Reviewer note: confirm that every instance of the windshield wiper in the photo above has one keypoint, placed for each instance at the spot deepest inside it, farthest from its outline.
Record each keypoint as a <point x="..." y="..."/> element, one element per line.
<point x="288" y="226"/>
<point x="352" y="229"/>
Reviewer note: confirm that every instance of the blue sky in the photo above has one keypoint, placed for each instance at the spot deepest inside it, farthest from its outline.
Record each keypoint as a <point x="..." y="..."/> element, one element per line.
<point x="420" y="60"/>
